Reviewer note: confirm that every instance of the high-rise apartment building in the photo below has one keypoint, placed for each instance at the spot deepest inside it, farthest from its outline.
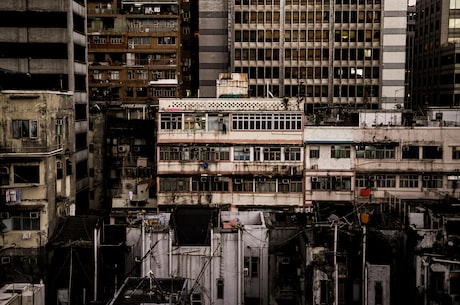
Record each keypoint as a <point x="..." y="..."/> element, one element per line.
<point x="436" y="80"/>
<point x="340" y="52"/>
<point x="43" y="47"/>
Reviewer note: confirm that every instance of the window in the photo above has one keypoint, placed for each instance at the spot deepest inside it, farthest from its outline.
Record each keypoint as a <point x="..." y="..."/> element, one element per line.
<point x="266" y="185"/>
<point x="378" y="293"/>
<point x="456" y="151"/>
<point x="26" y="174"/>
<point x="387" y="181"/>
<point x="408" y="181"/>
<point x="432" y="181"/>
<point x="432" y="152"/>
<point x="174" y="184"/>
<point x="340" y="151"/>
<point x="194" y="121"/>
<point x="220" y="288"/>
<point x="25" y="129"/>
<point x="289" y="185"/>
<point x="210" y="184"/>
<point x="251" y="266"/>
<point x="143" y="74"/>
<point x="171" y="121"/>
<point x="267" y="121"/>
<point x="167" y="40"/>
<point x="243" y="184"/>
<point x="375" y="152"/>
<point x="272" y="153"/>
<point x="338" y="183"/>
<point x="241" y="153"/>
<point x="410" y="152"/>
<point x="314" y="152"/>
<point x="114" y="75"/>
<point x="292" y="154"/>
<point x="25" y="220"/>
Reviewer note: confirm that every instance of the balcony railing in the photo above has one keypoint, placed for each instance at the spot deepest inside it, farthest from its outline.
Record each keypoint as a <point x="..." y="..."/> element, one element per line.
<point x="36" y="150"/>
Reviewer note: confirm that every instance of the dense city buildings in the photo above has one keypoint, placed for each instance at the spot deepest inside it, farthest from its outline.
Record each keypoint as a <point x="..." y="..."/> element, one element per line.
<point x="44" y="48"/>
<point x="435" y="54"/>
<point x="257" y="152"/>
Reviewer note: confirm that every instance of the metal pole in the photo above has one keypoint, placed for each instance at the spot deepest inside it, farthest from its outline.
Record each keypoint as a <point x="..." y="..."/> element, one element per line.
<point x="336" y="268"/>
<point x="364" y="284"/>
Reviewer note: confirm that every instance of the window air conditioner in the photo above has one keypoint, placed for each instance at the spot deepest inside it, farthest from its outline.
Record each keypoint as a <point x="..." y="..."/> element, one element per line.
<point x="314" y="179"/>
<point x="285" y="181"/>
<point x="34" y="215"/>
<point x="405" y="148"/>
<point x="426" y="178"/>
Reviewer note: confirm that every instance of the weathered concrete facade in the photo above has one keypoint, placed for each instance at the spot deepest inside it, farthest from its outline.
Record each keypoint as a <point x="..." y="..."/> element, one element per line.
<point x="37" y="153"/>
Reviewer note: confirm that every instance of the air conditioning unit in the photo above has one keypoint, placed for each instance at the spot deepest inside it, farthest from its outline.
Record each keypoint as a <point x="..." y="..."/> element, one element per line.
<point x="197" y="120"/>
<point x="266" y="150"/>
<point x="212" y="149"/>
<point x="237" y="180"/>
<point x="217" y="179"/>
<point x="220" y="119"/>
<point x="176" y="149"/>
<point x="426" y="178"/>
<point x="6" y="260"/>
<point x="314" y="179"/>
<point x="285" y="181"/>
<point x="204" y="179"/>
<point x="338" y="178"/>
<point x="34" y="215"/>
<point x="405" y="148"/>
<point x="247" y="149"/>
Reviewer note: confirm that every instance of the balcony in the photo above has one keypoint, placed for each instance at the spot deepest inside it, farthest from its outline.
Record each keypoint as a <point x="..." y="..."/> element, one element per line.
<point x="32" y="151"/>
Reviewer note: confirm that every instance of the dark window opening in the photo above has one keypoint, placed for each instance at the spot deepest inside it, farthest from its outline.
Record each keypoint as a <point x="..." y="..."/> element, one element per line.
<point x="410" y="152"/>
<point x="81" y="141"/>
<point x="81" y="169"/>
<point x="432" y="152"/>
<point x="26" y="174"/>
<point x="220" y="288"/>
<point x="80" y="112"/>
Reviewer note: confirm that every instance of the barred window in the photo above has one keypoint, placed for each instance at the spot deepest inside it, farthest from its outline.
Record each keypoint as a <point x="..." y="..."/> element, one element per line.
<point x="267" y="121"/>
